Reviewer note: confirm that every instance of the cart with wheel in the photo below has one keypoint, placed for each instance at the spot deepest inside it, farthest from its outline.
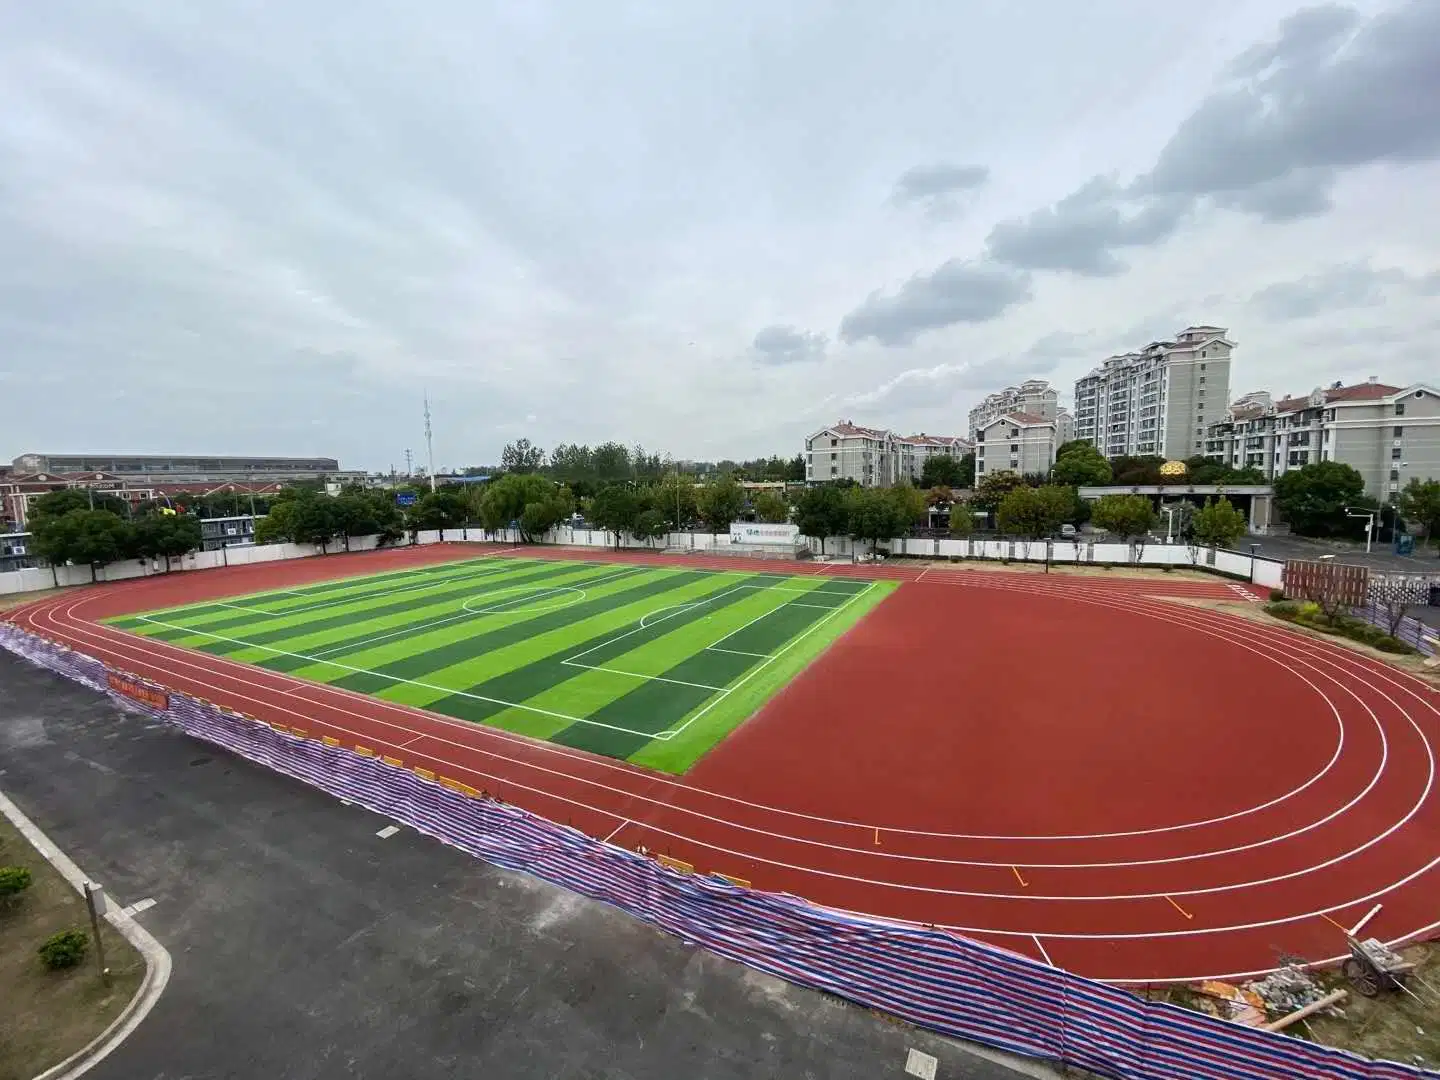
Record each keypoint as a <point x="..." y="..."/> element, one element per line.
<point x="1372" y="967"/>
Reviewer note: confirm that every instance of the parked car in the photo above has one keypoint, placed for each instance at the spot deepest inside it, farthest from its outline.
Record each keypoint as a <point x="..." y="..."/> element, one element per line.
<point x="1068" y="532"/>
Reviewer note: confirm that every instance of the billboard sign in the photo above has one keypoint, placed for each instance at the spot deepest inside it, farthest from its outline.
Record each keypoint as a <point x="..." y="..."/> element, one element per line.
<point x="404" y="498"/>
<point x="755" y="532"/>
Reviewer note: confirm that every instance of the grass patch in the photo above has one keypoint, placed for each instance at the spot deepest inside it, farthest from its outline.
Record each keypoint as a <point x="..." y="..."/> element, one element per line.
<point x="49" y="1015"/>
<point x="1309" y="614"/>
<point x="1391" y="1027"/>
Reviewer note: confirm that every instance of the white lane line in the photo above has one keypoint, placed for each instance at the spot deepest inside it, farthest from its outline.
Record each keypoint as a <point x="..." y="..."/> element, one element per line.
<point x="388" y="831"/>
<point x="139" y="906"/>
<point x="616" y="831"/>
<point x="1038" y="945"/>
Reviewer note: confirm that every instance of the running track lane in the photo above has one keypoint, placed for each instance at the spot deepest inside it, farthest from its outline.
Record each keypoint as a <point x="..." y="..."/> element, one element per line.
<point x="1164" y="895"/>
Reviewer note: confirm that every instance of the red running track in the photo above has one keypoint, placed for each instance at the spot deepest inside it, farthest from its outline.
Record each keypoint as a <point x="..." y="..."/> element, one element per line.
<point x="1123" y="785"/>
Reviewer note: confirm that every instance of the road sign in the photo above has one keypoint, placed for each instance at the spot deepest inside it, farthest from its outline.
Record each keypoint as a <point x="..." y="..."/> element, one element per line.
<point x="404" y="498"/>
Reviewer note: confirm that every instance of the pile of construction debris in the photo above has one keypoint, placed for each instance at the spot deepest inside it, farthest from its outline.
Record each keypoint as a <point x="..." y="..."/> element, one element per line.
<point x="1286" y="990"/>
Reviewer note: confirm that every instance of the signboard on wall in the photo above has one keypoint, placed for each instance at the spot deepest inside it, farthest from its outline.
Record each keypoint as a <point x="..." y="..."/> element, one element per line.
<point x="755" y="532"/>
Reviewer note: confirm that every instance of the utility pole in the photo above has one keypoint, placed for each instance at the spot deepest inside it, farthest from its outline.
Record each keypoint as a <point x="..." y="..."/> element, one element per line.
<point x="429" y="443"/>
<point x="409" y="468"/>
<point x="1369" y="517"/>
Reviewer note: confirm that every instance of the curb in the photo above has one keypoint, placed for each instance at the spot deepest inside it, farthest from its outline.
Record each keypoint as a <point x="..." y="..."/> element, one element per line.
<point x="157" y="959"/>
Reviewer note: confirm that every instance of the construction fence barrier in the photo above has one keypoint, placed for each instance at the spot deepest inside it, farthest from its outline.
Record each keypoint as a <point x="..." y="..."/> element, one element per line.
<point x="929" y="977"/>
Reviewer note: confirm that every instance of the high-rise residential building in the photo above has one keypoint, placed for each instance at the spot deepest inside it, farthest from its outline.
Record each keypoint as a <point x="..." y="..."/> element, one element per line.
<point x="874" y="457"/>
<point x="1034" y="397"/>
<point x="1158" y="400"/>
<point x="1389" y="434"/>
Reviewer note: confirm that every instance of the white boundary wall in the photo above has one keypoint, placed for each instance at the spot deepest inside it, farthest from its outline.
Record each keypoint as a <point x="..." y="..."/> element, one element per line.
<point x="1263" y="572"/>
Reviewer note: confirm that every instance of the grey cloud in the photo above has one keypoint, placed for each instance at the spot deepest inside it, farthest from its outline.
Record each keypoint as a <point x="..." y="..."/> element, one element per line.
<point x="954" y="292"/>
<point x="1307" y="33"/>
<point x="924" y="181"/>
<point x="937" y="386"/>
<point x="1345" y="286"/>
<point x="1080" y="232"/>
<point x="1330" y="93"/>
<point x="779" y="344"/>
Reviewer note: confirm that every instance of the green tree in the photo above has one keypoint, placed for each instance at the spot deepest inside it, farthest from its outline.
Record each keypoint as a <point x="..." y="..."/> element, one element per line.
<point x="93" y="538"/>
<point x="674" y="496"/>
<point x="1313" y="498"/>
<point x="821" y="512"/>
<point x="538" y="518"/>
<point x="612" y="463"/>
<point x="1128" y="516"/>
<point x="58" y="503"/>
<point x="942" y="470"/>
<point x="910" y="506"/>
<point x="1135" y="471"/>
<point x="505" y="499"/>
<point x="771" y="507"/>
<point x="1420" y="502"/>
<point x="966" y="479"/>
<point x="616" y="509"/>
<point x="522" y="456"/>
<point x="277" y="526"/>
<point x="1079" y="464"/>
<point x="441" y="510"/>
<point x="315" y="521"/>
<point x="650" y="525"/>
<point x="994" y="487"/>
<point x="962" y="518"/>
<point x="1217" y="524"/>
<point x="720" y="502"/>
<point x="165" y="536"/>
<point x="876" y="515"/>
<point x="795" y="469"/>
<point x="1034" y="512"/>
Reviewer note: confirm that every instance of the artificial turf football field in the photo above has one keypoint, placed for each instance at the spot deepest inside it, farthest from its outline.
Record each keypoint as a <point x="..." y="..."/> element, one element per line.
<point x="651" y="664"/>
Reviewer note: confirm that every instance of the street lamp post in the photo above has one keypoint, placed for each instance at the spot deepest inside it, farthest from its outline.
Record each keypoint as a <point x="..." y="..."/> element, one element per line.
<point x="1369" y="516"/>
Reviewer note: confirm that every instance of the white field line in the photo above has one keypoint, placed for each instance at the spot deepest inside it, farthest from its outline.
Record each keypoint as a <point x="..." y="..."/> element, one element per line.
<point x="736" y="652"/>
<point x="339" y="601"/>
<point x="467" y="613"/>
<point x="670" y="734"/>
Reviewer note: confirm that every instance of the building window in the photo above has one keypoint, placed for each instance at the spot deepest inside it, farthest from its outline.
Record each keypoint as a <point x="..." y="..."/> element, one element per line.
<point x="1394" y="474"/>
<point x="1395" y="453"/>
<point x="833" y="456"/>
<point x="1399" y="408"/>
<point x="1202" y="366"/>
<point x="834" y="442"/>
<point x="1014" y="448"/>
<point x="1399" y="431"/>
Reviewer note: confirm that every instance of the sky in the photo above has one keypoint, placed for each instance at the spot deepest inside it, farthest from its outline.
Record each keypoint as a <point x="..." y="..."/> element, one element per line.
<point x="706" y="227"/>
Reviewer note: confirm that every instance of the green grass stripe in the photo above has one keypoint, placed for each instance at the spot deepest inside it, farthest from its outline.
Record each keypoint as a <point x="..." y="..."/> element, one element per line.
<point x="548" y="693"/>
<point x="225" y="616"/>
<point x="679" y="753"/>
<point x="320" y="590"/>
<point x="697" y="677"/>
<point x="363" y="648"/>
<point x="347" y="628"/>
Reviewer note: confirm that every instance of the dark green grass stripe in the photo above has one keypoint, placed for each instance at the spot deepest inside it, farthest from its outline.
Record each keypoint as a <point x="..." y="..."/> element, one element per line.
<point x="340" y="616"/>
<point x="310" y="594"/>
<point x="548" y="672"/>
<point x="498" y="636"/>
<point x="656" y="706"/>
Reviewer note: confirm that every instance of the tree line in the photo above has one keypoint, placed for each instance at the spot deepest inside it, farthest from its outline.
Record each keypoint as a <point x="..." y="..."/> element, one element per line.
<point x="585" y="469"/>
<point x="95" y="529"/>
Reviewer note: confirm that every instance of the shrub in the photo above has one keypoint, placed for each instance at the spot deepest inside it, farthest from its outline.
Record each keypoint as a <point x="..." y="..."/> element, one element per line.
<point x="1277" y="595"/>
<point x="65" y="949"/>
<point x="13" y="881"/>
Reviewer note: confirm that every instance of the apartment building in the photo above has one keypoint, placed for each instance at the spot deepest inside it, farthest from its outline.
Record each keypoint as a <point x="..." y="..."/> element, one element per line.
<point x="1036" y="397"/>
<point x="1389" y="434"/>
<point x="1158" y="400"/>
<point x="1015" y="442"/>
<point x="874" y="457"/>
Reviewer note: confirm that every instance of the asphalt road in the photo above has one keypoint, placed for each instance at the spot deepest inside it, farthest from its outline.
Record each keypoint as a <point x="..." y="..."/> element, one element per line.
<point x="305" y="946"/>
<point x="1380" y="557"/>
